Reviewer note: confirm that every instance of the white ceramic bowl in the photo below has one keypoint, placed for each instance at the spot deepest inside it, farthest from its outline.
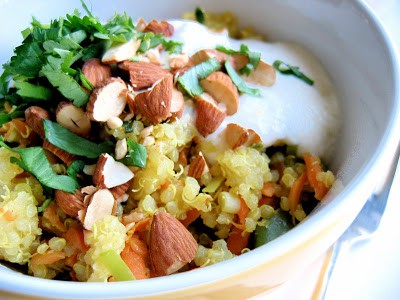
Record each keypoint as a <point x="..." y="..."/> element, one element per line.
<point x="352" y="46"/>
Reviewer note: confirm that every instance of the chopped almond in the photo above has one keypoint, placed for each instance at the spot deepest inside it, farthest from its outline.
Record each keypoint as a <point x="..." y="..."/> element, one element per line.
<point x="205" y="54"/>
<point x="162" y="27"/>
<point x="65" y="156"/>
<point x="143" y="74"/>
<point x="171" y="245"/>
<point x="73" y="118"/>
<point x="33" y="118"/>
<point x="223" y="90"/>
<point x="107" y="101"/>
<point x="236" y="135"/>
<point x="101" y="205"/>
<point x="198" y="167"/>
<point x="121" y="52"/>
<point x="177" y="104"/>
<point x="209" y="115"/>
<point x="110" y="173"/>
<point x="70" y="203"/>
<point x="96" y="72"/>
<point x="155" y="103"/>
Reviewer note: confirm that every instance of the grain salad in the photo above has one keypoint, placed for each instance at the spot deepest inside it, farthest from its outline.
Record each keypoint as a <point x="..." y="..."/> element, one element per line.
<point x="132" y="150"/>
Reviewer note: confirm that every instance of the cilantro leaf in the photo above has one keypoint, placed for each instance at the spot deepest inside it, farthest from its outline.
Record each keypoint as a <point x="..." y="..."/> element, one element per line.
<point x="239" y="82"/>
<point x="149" y="41"/>
<point x="137" y="154"/>
<point x="26" y="89"/>
<point x="287" y="69"/>
<point x="67" y="86"/>
<point x="254" y="57"/>
<point x="73" y="143"/>
<point x="190" y="80"/>
<point x="172" y="46"/>
<point x="34" y="161"/>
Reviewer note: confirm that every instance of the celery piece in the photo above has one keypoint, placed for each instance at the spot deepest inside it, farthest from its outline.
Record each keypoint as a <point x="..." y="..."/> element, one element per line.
<point x="116" y="266"/>
<point x="214" y="184"/>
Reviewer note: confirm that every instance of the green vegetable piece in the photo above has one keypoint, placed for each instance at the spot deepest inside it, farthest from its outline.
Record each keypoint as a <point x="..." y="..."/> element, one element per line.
<point x="34" y="161"/>
<point x="254" y="57"/>
<point x="278" y="224"/>
<point x="137" y="154"/>
<point x="42" y="207"/>
<point x="200" y="15"/>
<point x="67" y="86"/>
<point x="73" y="143"/>
<point x="287" y="69"/>
<point x="172" y="46"/>
<point x="116" y="266"/>
<point x="239" y="82"/>
<point x="74" y="168"/>
<point x="26" y="89"/>
<point x="213" y="185"/>
<point x="190" y="80"/>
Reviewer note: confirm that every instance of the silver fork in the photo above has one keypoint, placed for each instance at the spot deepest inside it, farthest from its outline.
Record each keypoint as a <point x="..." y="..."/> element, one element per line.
<point x="363" y="227"/>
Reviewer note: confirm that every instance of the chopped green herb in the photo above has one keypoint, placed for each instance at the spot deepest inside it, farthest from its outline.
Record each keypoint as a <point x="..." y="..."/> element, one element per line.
<point x="287" y="69"/>
<point x="137" y="154"/>
<point x="200" y="15"/>
<point x="172" y="46"/>
<point x="149" y="41"/>
<point x="239" y="82"/>
<point x="74" y="168"/>
<point x="190" y="80"/>
<point x="254" y="57"/>
<point x="85" y="82"/>
<point x="26" y="89"/>
<point x="73" y="143"/>
<point x="34" y="161"/>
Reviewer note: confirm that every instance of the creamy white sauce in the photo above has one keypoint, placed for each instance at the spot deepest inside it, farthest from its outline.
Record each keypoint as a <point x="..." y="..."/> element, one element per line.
<point x="290" y="111"/>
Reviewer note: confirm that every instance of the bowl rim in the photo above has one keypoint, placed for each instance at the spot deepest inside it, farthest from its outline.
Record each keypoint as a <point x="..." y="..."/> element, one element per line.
<point x="298" y="235"/>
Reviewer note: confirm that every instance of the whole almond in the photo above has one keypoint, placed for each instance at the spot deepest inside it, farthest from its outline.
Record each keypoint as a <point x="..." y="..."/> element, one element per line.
<point x="34" y="116"/>
<point x="70" y="203"/>
<point x="171" y="244"/>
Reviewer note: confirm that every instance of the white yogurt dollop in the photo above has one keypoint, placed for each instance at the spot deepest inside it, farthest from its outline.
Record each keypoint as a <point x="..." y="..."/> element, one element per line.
<point x="290" y="111"/>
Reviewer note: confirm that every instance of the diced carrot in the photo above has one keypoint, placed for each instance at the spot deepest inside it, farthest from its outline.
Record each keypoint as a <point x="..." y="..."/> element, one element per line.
<point x="295" y="191"/>
<point x="243" y="211"/>
<point x="135" y="255"/>
<point x="313" y="167"/>
<point x="71" y="260"/>
<point x="47" y="258"/>
<point x="268" y="189"/>
<point x="236" y="242"/>
<point x="74" y="236"/>
<point x="50" y="213"/>
<point x="191" y="216"/>
<point x="165" y="184"/>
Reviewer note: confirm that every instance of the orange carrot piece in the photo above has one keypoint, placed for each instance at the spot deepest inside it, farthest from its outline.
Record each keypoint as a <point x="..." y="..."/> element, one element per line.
<point x="50" y="213"/>
<point x="271" y="201"/>
<point x="74" y="236"/>
<point x="243" y="211"/>
<point x="191" y="216"/>
<point x="47" y="258"/>
<point x="295" y="191"/>
<point x="236" y="242"/>
<point x="313" y="167"/>
<point x="71" y="260"/>
<point x="135" y="255"/>
<point x="268" y="189"/>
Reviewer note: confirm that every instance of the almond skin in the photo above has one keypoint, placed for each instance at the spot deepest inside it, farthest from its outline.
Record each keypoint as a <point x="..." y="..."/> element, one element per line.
<point x="236" y="135"/>
<point x="108" y="100"/>
<point x="96" y="72"/>
<point x="209" y="115"/>
<point x="155" y="104"/>
<point x="223" y="90"/>
<point x="142" y="74"/>
<point x="171" y="245"/>
<point x="33" y="118"/>
<point x="70" y="203"/>
<point x="66" y="157"/>
<point x="162" y="27"/>
<point x="198" y="166"/>
<point x="120" y="190"/>
<point x="110" y="173"/>
<point x="73" y="118"/>
<point x="204" y="54"/>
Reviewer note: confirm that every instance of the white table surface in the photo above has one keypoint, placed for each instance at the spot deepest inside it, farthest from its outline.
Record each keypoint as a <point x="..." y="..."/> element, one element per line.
<point x="371" y="270"/>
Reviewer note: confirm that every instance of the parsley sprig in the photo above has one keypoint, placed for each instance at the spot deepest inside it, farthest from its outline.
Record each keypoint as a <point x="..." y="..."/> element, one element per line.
<point x="287" y="69"/>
